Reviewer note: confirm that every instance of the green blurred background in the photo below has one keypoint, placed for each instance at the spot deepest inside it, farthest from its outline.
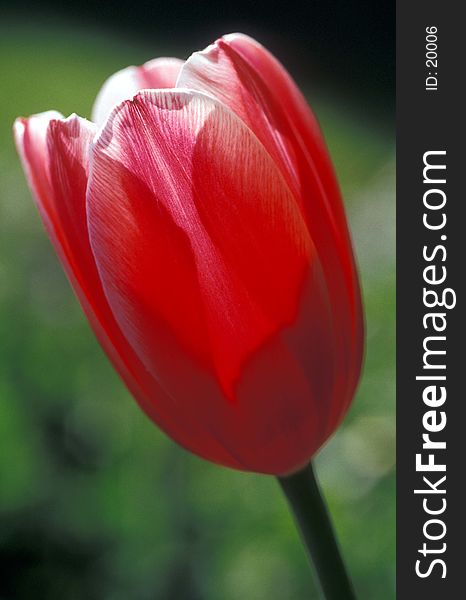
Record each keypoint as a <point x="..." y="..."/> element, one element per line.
<point x="95" y="502"/>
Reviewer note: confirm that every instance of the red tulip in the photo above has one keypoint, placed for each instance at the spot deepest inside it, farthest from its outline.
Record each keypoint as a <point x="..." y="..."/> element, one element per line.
<point x="201" y="226"/>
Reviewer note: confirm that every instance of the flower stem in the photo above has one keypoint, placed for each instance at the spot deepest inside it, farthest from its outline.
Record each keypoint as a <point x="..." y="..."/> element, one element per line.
<point x="313" y="520"/>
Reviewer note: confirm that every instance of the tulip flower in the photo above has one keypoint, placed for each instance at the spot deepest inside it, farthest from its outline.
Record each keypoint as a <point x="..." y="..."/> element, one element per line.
<point x="201" y="226"/>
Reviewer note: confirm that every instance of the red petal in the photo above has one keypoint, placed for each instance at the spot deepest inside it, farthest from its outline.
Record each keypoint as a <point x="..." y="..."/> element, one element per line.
<point x="31" y="143"/>
<point x="55" y="156"/>
<point x="156" y="74"/>
<point x="248" y="79"/>
<point x="205" y="260"/>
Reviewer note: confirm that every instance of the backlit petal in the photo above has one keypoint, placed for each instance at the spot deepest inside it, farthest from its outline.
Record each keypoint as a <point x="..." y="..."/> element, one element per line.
<point x="251" y="82"/>
<point x="155" y="74"/>
<point x="55" y="155"/>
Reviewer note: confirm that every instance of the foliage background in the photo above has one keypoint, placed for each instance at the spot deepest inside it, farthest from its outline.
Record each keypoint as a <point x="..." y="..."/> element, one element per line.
<point x="95" y="502"/>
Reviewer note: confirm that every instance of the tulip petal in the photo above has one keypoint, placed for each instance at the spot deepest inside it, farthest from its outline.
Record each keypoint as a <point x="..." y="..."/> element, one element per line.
<point x="55" y="155"/>
<point x="155" y="74"/>
<point x="202" y="252"/>
<point x="252" y="83"/>
<point x="31" y="143"/>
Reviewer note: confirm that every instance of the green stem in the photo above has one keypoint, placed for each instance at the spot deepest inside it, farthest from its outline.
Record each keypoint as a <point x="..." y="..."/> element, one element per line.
<point x="313" y="520"/>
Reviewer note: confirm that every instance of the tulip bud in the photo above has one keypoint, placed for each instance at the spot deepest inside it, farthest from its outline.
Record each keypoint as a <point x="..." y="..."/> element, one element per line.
<point x="200" y="223"/>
